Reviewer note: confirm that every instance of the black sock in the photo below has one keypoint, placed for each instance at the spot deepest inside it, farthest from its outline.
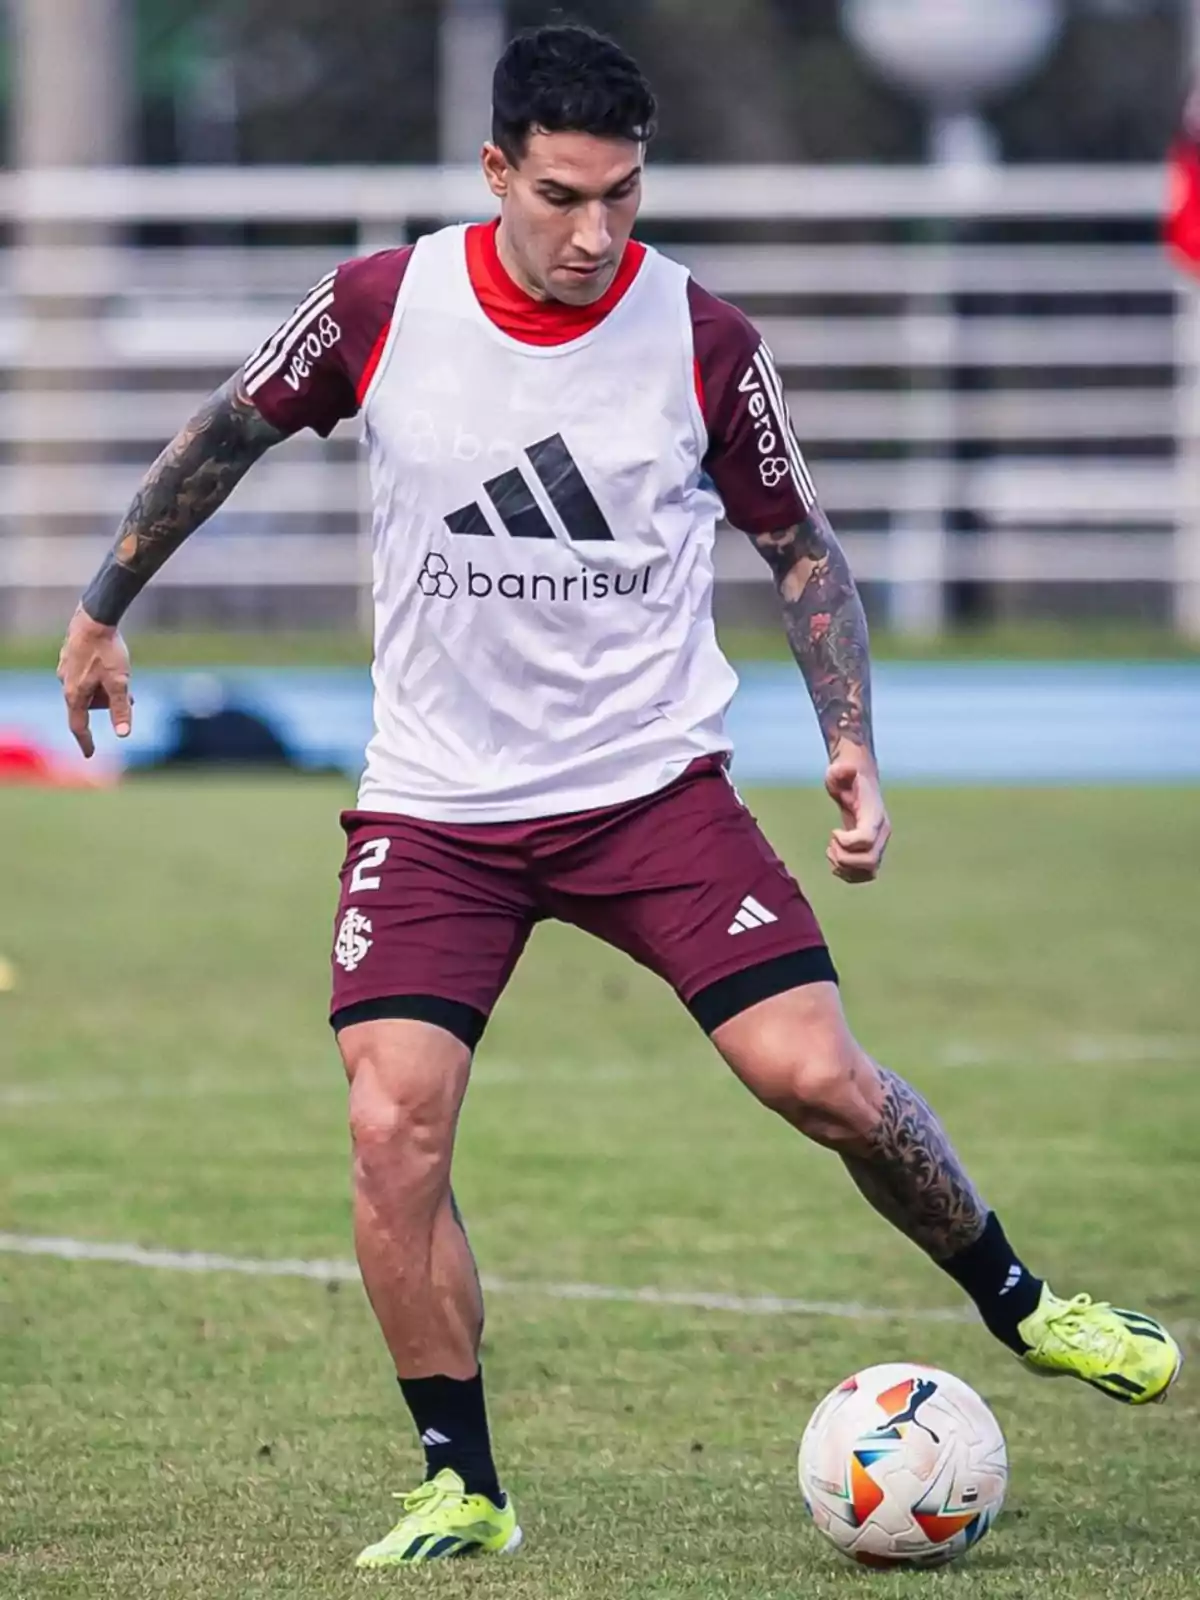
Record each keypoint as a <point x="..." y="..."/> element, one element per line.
<point x="451" y="1418"/>
<point x="998" y="1281"/>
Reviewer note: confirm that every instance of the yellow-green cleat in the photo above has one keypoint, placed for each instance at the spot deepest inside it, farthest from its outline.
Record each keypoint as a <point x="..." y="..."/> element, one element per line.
<point x="441" y="1519"/>
<point x="1125" y="1354"/>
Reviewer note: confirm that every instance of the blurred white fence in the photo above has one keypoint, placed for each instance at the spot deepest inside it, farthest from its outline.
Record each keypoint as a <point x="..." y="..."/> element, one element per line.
<point x="994" y="374"/>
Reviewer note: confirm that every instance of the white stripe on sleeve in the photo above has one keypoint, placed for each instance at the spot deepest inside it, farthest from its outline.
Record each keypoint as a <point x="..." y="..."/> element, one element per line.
<point x="765" y="363"/>
<point x="270" y="348"/>
<point x="262" y="373"/>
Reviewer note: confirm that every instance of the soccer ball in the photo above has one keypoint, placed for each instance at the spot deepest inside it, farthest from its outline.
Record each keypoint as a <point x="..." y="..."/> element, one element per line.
<point x="903" y="1465"/>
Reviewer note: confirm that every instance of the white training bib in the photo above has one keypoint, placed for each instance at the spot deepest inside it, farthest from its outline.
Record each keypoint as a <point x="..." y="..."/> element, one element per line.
<point x="543" y="538"/>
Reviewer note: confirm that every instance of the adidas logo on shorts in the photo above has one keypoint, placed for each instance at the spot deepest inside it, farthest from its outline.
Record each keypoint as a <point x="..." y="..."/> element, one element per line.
<point x="751" y="915"/>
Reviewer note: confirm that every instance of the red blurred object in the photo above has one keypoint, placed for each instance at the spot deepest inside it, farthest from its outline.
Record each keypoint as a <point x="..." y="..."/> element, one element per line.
<point x="23" y="762"/>
<point x="1181" y="226"/>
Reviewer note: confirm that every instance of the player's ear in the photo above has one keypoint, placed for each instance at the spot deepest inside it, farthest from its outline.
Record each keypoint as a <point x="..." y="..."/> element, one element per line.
<point x="495" y="169"/>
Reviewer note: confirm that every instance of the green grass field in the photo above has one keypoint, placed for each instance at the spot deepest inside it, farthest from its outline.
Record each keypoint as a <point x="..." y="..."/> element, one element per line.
<point x="167" y="1079"/>
<point x="1082" y="640"/>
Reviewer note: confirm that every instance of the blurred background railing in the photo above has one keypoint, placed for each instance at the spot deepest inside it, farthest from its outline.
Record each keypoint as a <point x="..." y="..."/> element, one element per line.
<point x="991" y="374"/>
<point x="956" y="255"/>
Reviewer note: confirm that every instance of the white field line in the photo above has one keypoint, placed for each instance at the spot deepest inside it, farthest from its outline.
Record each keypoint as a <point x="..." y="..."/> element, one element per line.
<point x="762" y="1305"/>
<point x="203" y="1086"/>
<point x="758" y="1305"/>
<point x="1080" y="1050"/>
<point x="93" y="1092"/>
<point x="1076" y="1051"/>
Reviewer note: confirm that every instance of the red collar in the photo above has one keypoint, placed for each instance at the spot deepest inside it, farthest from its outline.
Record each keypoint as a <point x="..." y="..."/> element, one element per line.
<point x="538" y="321"/>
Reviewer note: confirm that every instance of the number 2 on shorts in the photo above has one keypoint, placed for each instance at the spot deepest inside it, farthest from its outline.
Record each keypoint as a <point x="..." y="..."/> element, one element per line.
<point x="372" y="855"/>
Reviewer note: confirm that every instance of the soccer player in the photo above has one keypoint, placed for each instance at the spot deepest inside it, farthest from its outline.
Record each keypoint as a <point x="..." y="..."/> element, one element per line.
<point x="556" y="416"/>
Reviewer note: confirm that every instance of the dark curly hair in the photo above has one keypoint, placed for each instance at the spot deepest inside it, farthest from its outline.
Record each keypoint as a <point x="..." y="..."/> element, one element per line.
<point x="565" y="78"/>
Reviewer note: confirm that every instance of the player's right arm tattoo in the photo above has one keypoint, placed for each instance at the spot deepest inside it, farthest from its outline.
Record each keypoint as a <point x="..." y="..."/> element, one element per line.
<point x="912" y="1176"/>
<point x="195" y="474"/>
<point x="825" y="624"/>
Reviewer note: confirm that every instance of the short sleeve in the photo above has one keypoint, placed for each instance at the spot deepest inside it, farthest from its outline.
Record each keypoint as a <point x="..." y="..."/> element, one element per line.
<point x="314" y="369"/>
<point x="753" y="457"/>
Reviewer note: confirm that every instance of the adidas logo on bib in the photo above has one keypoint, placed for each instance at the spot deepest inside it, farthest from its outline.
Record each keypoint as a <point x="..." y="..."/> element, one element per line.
<point x="751" y="914"/>
<point x="513" y="501"/>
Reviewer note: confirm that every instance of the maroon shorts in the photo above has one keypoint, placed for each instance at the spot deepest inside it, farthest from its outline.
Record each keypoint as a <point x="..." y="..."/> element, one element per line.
<point x="433" y="916"/>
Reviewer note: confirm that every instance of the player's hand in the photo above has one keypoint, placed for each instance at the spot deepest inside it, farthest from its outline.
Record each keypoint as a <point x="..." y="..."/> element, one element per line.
<point x="93" y="668"/>
<point x="856" y="848"/>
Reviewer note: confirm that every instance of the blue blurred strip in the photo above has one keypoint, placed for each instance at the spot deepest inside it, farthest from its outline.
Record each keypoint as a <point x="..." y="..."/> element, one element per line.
<point x="972" y="723"/>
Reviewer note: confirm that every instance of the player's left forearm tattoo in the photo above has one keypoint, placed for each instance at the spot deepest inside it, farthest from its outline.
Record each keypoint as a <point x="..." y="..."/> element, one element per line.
<point x="912" y="1176"/>
<point x="825" y="625"/>
<point x="195" y="474"/>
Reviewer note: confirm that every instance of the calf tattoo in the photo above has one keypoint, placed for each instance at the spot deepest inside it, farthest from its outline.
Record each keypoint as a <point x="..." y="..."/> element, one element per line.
<point x="912" y="1176"/>
<point x="825" y="624"/>
<point x="195" y="474"/>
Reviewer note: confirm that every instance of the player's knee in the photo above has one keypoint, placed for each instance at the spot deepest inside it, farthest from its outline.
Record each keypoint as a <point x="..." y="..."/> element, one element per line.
<point x="827" y="1095"/>
<point x="806" y="1082"/>
<point x="803" y="1062"/>
<point x="405" y="1118"/>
